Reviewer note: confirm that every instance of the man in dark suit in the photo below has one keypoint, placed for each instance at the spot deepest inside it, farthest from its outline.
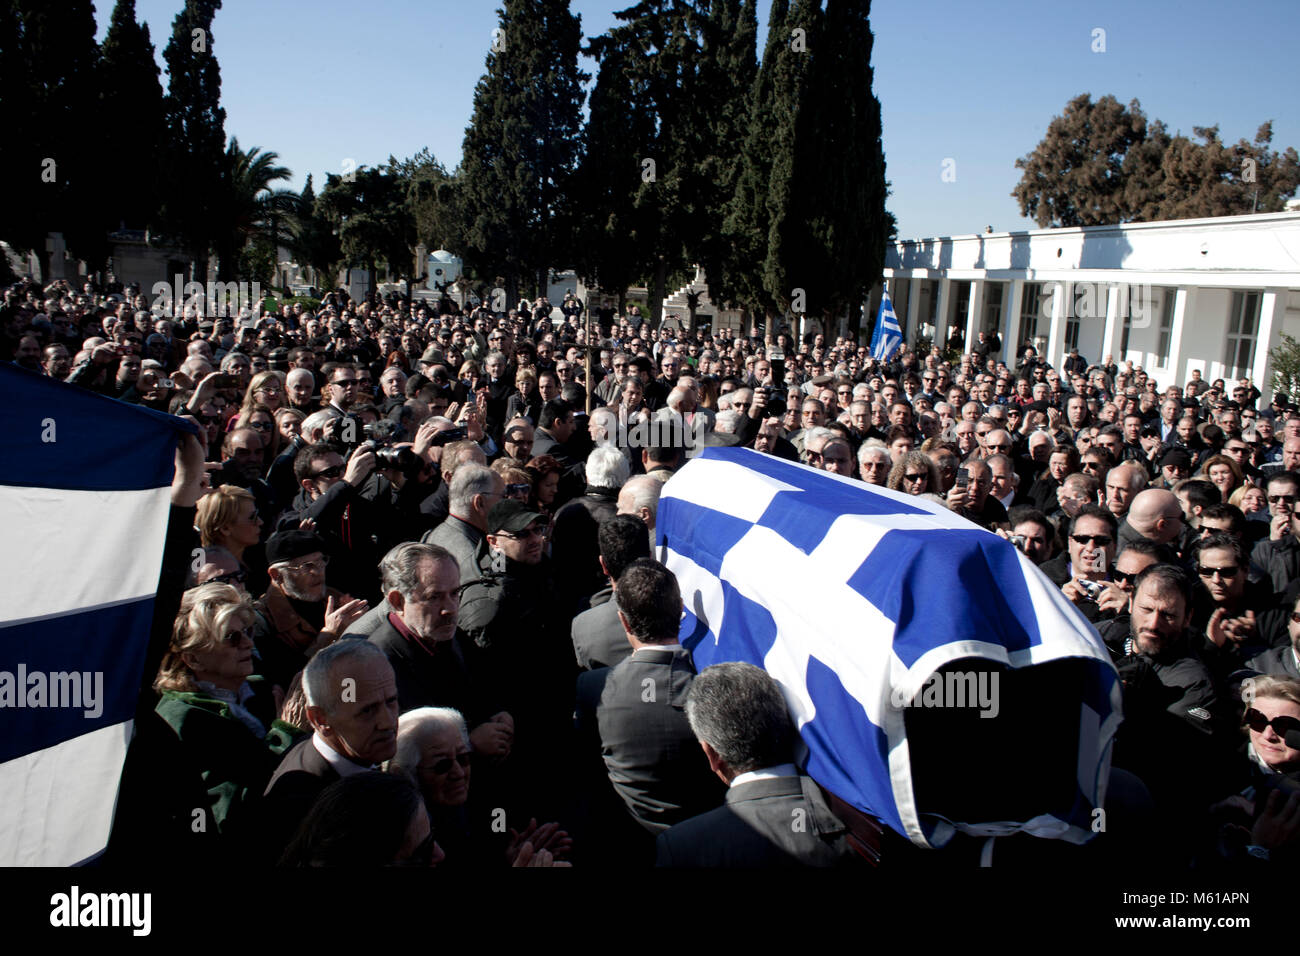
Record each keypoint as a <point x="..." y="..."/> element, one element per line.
<point x="352" y="706"/>
<point x="433" y="662"/>
<point x="636" y="708"/>
<point x="555" y="427"/>
<point x="598" y="636"/>
<point x="774" y="816"/>
<point x="1283" y="660"/>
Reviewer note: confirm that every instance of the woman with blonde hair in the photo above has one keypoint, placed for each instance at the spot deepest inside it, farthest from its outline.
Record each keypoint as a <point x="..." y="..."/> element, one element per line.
<point x="1222" y="472"/>
<point x="229" y="740"/>
<point x="229" y="525"/>
<point x="266" y="388"/>
<point x="288" y="424"/>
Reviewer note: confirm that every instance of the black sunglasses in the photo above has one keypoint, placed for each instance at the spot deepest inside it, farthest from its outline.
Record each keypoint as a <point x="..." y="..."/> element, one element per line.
<point x="333" y="472"/>
<point x="1281" y="725"/>
<point x="1100" y="540"/>
<point x="444" y="765"/>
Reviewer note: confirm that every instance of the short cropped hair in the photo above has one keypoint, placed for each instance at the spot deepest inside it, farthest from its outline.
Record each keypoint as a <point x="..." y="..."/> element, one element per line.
<point x="622" y="540"/>
<point x="399" y="568"/>
<point x="316" y="676"/>
<point x="739" y="711"/>
<point x="650" y="599"/>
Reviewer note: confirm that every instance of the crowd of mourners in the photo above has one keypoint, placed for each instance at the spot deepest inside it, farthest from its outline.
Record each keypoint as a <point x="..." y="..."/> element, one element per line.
<point x="410" y="613"/>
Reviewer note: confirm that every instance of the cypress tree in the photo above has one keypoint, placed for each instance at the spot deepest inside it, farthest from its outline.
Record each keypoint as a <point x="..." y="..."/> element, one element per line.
<point x="521" y="147"/>
<point x="131" y="97"/>
<point x="196" y="176"/>
<point x="826" y="195"/>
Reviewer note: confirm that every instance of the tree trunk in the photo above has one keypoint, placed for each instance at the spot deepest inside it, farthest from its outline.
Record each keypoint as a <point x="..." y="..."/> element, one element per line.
<point x="656" y="304"/>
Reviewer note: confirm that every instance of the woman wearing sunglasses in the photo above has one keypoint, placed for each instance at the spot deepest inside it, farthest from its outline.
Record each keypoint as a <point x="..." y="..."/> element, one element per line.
<point x="433" y="748"/>
<point x="227" y="742"/>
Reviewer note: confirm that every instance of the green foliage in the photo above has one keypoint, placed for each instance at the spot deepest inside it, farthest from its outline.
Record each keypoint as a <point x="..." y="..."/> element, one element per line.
<point x="1285" y="358"/>
<point x="369" y="212"/>
<point x="826" y="193"/>
<point x="1102" y="163"/>
<point x="130" y="151"/>
<point x="196" y="179"/>
<point x="521" y="147"/>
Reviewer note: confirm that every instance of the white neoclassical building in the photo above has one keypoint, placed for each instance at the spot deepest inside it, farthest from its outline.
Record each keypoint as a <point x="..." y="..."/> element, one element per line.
<point x="1207" y="294"/>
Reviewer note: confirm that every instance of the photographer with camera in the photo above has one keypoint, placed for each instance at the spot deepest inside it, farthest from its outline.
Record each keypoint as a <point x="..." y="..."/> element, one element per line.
<point x="348" y="505"/>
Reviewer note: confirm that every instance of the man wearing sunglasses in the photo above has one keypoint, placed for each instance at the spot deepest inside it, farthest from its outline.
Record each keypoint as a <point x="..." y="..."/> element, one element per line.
<point x="1283" y="661"/>
<point x="1279" y="556"/>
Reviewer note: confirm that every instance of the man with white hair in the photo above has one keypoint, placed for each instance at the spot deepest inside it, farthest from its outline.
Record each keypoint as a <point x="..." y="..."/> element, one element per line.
<point x="874" y="462"/>
<point x="574" y="545"/>
<point x="640" y="497"/>
<point x="300" y="383"/>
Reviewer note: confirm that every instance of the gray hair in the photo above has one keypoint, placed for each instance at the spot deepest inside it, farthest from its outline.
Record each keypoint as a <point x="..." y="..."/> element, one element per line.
<point x="872" y="447"/>
<point x="607" y="467"/>
<point x="495" y="355"/>
<point x="607" y="421"/>
<point x="739" y="711"/>
<point x="415" y="727"/>
<point x="399" y="569"/>
<point x="645" y="492"/>
<point x="315" y="422"/>
<point x="470" y="479"/>
<point x="297" y="373"/>
<point x="727" y="422"/>
<point x="316" y="682"/>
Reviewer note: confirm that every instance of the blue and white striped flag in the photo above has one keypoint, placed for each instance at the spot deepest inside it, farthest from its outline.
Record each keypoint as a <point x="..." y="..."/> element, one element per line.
<point x="84" y="501"/>
<point x="888" y="337"/>
<point x="852" y="596"/>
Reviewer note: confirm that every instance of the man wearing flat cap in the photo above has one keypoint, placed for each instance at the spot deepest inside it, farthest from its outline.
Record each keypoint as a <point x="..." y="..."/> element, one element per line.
<point x="1175" y="465"/>
<point x="299" y="614"/>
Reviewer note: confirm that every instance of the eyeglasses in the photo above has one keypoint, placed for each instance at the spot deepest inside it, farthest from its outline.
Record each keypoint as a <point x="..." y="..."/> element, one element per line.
<point x="334" y="471"/>
<point x="235" y="638"/>
<point x="345" y="382"/>
<point x="1124" y="577"/>
<point x="1097" y="540"/>
<point x="1227" y="574"/>
<point x="230" y="577"/>
<point x="519" y="490"/>
<point x="1281" y="725"/>
<point x="917" y="476"/>
<point x="1001" y="446"/>
<point x="444" y="765"/>
<point x="309" y="565"/>
<point x="1278" y="499"/>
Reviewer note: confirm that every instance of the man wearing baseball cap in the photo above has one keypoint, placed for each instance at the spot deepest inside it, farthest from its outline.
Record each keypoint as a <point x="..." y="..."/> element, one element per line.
<point x="299" y="614"/>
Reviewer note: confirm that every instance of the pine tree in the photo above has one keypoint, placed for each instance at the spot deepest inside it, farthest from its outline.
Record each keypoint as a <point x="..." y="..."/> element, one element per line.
<point x="131" y="98"/>
<point x="521" y="147"/>
<point x="197" y="177"/>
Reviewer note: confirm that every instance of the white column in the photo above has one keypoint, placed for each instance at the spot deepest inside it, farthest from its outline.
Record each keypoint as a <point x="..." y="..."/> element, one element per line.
<point x="1011" y="326"/>
<point x="913" y="309"/>
<point x="1116" y="304"/>
<point x="1184" y="305"/>
<point x="941" y="313"/>
<point x="973" y="308"/>
<point x="1061" y="301"/>
<point x="1272" y="311"/>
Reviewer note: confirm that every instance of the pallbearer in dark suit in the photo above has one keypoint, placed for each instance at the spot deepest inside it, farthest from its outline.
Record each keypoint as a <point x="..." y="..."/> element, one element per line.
<point x="598" y="636"/>
<point x="773" y="816"/>
<point x="649" y="752"/>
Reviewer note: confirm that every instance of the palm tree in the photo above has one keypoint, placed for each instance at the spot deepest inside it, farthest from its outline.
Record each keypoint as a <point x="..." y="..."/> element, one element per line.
<point x="253" y="209"/>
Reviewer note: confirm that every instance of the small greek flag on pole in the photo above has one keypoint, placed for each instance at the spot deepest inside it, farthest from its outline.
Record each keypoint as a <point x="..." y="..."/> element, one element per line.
<point x="888" y="337"/>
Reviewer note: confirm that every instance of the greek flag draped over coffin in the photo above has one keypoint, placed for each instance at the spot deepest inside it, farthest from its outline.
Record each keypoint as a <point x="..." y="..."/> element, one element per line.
<point x="852" y="596"/>
<point x="84" y="501"/>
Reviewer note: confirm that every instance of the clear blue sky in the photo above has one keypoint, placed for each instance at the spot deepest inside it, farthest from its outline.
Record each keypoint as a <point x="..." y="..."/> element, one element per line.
<point x="975" y="82"/>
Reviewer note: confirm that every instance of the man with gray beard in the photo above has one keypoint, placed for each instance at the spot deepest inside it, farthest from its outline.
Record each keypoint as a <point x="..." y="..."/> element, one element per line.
<point x="299" y="614"/>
